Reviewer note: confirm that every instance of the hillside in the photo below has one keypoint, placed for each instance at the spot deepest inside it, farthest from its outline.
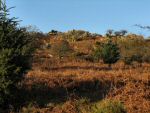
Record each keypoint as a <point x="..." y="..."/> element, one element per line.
<point x="74" y="71"/>
<point x="75" y="85"/>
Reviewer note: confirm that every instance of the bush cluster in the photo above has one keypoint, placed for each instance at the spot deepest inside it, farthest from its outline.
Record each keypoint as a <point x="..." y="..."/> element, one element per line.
<point x="134" y="48"/>
<point x="109" y="52"/>
<point x="76" y="35"/>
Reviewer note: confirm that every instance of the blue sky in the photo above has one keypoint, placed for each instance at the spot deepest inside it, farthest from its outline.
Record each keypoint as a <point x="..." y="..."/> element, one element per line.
<point x="92" y="15"/>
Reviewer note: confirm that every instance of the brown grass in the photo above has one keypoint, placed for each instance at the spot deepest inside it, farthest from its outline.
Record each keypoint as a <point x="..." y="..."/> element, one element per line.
<point x="63" y="81"/>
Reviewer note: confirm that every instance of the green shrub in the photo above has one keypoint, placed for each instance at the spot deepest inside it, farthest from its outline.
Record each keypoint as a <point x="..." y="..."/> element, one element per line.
<point x="97" y="51"/>
<point x="97" y="54"/>
<point x="53" y="32"/>
<point x="133" y="58"/>
<point x="15" y="51"/>
<point x="110" y="52"/>
<point x="109" y="106"/>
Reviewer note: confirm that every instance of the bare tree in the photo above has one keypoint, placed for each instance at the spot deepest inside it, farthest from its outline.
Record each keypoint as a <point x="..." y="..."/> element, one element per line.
<point x="142" y="27"/>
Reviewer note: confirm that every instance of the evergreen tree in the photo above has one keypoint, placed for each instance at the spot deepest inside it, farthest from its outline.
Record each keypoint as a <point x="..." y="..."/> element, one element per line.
<point x="110" y="52"/>
<point x="15" y="54"/>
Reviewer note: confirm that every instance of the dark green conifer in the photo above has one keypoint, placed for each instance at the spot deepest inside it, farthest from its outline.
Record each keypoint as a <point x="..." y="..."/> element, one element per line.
<point x="15" y="54"/>
<point x="110" y="52"/>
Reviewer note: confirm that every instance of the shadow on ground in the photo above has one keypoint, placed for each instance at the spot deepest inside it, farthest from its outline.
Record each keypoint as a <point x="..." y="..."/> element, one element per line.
<point x="43" y="93"/>
<point x="75" y="68"/>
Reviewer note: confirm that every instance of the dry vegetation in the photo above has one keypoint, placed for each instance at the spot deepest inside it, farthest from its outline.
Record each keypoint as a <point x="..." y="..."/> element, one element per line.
<point x="70" y="85"/>
<point x="72" y="72"/>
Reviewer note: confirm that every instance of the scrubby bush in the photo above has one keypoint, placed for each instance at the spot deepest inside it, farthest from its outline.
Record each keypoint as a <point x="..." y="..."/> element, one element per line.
<point x="76" y="35"/>
<point x="15" y="52"/>
<point x="110" y="52"/>
<point x="121" y="33"/>
<point x="97" y="51"/>
<point x="134" y="47"/>
<point x="53" y="32"/>
<point x="97" y="54"/>
<point x="36" y="34"/>
<point x="110" y="106"/>
<point x="61" y="49"/>
<point x="137" y="58"/>
<point x="133" y="58"/>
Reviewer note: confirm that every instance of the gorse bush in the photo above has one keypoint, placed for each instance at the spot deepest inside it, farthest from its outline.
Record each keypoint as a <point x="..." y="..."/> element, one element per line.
<point x="15" y="51"/>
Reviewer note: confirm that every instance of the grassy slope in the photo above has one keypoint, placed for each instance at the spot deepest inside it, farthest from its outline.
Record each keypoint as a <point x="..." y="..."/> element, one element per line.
<point x="56" y="85"/>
